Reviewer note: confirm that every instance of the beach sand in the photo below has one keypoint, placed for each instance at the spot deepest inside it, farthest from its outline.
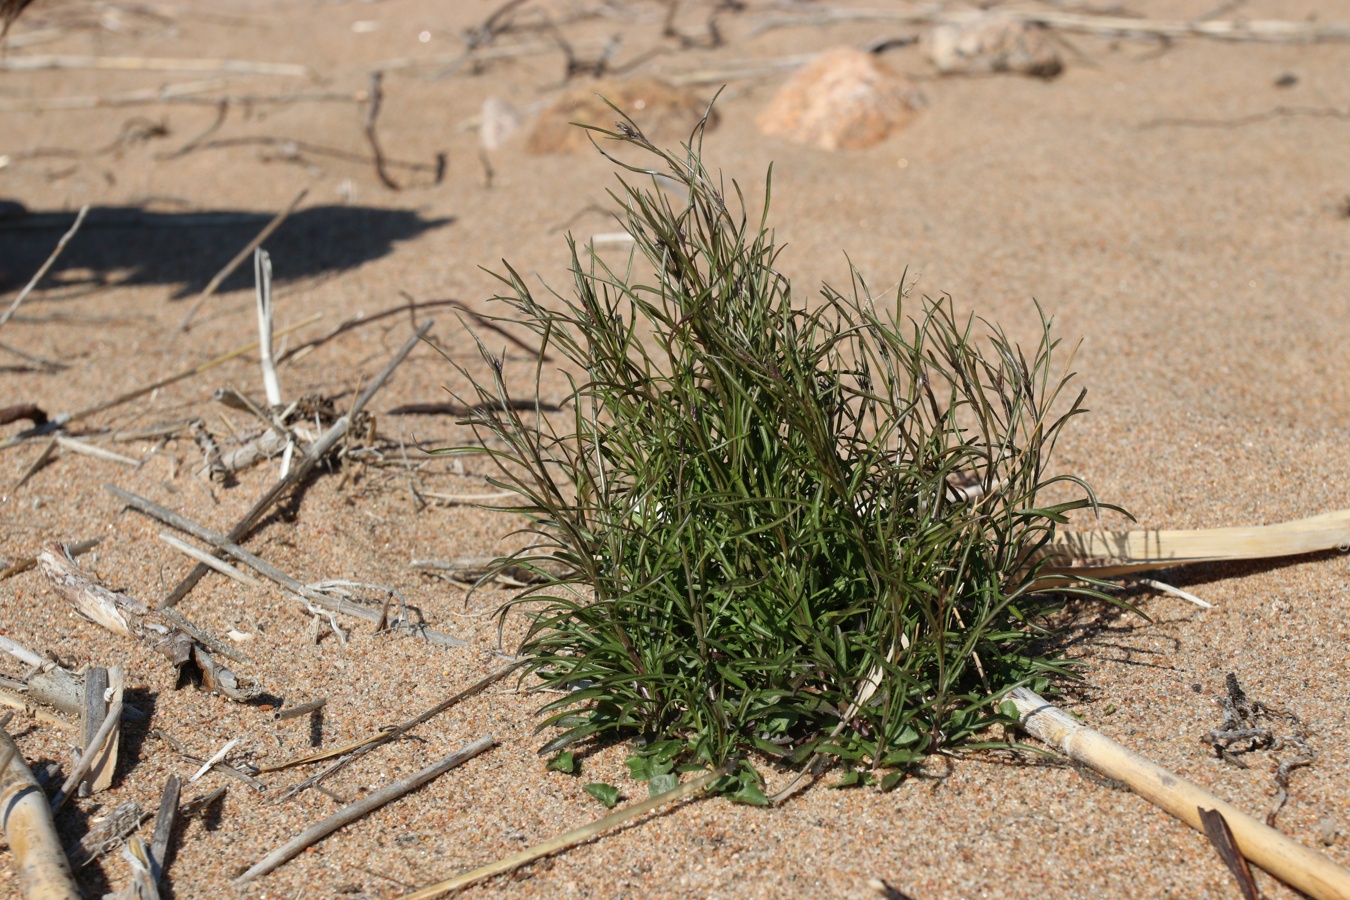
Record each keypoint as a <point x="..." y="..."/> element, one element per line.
<point x="1172" y="205"/>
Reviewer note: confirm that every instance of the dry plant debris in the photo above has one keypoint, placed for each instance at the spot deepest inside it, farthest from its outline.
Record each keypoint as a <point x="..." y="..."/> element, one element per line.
<point x="1247" y="728"/>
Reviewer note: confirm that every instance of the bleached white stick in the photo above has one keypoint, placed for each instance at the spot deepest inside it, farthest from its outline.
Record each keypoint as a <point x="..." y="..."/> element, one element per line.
<point x="262" y="273"/>
<point x="220" y="754"/>
<point x="1286" y="859"/>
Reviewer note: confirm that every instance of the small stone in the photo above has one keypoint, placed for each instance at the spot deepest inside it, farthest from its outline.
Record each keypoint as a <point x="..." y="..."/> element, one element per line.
<point x="844" y="99"/>
<point x="1326" y="830"/>
<point x="990" y="43"/>
<point x="661" y="112"/>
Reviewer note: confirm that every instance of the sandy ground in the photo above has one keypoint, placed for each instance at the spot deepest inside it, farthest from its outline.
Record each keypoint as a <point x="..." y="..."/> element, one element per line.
<point x="1170" y="204"/>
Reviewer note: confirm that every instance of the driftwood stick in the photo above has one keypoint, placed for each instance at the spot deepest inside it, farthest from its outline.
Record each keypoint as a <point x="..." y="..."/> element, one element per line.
<point x="44" y="871"/>
<point x="239" y="259"/>
<point x="1286" y="859"/>
<point x="129" y="617"/>
<point x="1102" y="554"/>
<point x="88" y="757"/>
<point x="168" y="811"/>
<point x="317" y="451"/>
<point x="319" y="831"/>
<point x="1256" y="30"/>
<point x="91" y="722"/>
<point x="208" y="560"/>
<point x="306" y="594"/>
<point x="569" y="839"/>
<point x="46" y="266"/>
<point x="85" y="448"/>
<point x="20" y="703"/>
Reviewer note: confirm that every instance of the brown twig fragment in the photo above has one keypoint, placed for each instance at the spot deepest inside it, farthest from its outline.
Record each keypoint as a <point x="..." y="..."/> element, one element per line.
<point x="44" y="871"/>
<point x="319" y="831"/>
<point x="89" y="757"/>
<point x="126" y="616"/>
<point x="376" y="98"/>
<point x="1221" y="836"/>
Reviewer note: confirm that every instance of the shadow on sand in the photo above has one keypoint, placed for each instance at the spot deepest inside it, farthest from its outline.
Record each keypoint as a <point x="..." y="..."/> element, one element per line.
<point x="129" y="245"/>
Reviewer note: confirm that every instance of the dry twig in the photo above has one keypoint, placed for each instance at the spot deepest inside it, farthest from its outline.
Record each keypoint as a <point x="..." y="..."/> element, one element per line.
<point x="46" y="266"/>
<point x="570" y="839"/>
<point x="318" y="832"/>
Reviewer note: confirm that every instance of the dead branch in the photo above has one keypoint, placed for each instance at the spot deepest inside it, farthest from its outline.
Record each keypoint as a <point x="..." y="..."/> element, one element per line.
<point x="318" y="832"/>
<point x="29" y="411"/>
<point x="296" y="475"/>
<point x="89" y="757"/>
<point x="44" y="871"/>
<point x="164" y="819"/>
<point x="239" y="258"/>
<point x="126" y="616"/>
<point x="305" y="593"/>
<point x="569" y="839"/>
<point x="46" y="266"/>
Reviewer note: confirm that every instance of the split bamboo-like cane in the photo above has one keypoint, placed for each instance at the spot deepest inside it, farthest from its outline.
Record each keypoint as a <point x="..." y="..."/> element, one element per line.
<point x="1278" y="854"/>
<point x="1102" y="554"/>
<point x="43" y="868"/>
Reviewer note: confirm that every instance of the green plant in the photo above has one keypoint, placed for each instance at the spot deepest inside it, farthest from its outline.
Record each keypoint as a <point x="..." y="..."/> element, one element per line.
<point x="793" y="530"/>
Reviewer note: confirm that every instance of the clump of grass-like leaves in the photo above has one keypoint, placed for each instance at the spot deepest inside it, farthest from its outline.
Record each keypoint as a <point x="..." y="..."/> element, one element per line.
<point x="792" y="529"/>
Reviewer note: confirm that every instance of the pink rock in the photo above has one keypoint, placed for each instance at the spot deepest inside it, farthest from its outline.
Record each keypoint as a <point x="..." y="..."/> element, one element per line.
<point x="844" y="99"/>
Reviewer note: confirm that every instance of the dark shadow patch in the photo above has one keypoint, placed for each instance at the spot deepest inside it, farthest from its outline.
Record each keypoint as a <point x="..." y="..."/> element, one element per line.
<point x="129" y="245"/>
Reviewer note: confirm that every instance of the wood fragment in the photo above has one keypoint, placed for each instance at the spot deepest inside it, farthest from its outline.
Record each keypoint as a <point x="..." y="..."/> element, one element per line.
<point x="88" y="758"/>
<point x="108" y="834"/>
<point x="84" y="448"/>
<point x="239" y="259"/>
<point x="219" y="755"/>
<point x="1254" y="30"/>
<point x="1286" y="859"/>
<point x="207" y="559"/>
<point x="1104" y="553"/>
<point x="303" y="709"/>
<point x="143" y="884"/>
<point x="1221" y="836"/>
<point x="18" y="702"/>
<point x="164" y="820"/>
<point x="46" y="266"/>
<point x="319" y="831"/>
<point x="129" y="617"/>
<point x="317" y="451"/>
<point x="44" y="871"/>
<point x="569" y="839"/>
